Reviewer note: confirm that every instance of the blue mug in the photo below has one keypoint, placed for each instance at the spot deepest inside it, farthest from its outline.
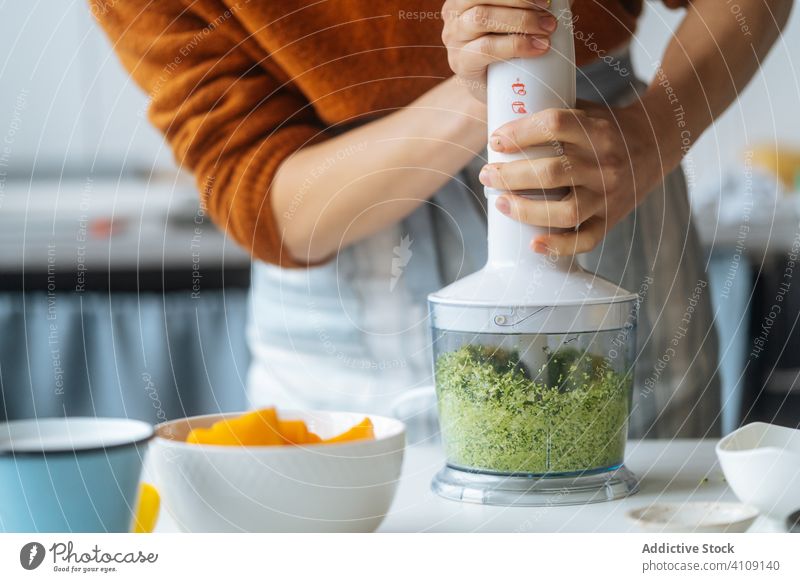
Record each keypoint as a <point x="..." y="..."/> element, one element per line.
<point x="70" y="474"/>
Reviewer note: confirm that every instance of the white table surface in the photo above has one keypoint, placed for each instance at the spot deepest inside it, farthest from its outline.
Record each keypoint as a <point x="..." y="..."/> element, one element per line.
<point x="668" y="470"/>
<point x="675" y="471"/>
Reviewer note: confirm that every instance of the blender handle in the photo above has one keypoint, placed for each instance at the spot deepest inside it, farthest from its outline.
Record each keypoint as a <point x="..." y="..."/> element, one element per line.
<point x="519" y="87"/>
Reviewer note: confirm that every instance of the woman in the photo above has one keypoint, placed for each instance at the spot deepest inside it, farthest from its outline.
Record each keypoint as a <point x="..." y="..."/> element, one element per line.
<point x="333" y="141"/>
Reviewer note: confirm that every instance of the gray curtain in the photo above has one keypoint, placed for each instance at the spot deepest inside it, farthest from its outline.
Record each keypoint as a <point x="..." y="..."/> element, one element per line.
<point x="149" y="356"/>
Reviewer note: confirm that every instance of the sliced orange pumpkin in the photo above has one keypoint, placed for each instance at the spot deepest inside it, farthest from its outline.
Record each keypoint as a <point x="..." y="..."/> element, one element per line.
<point x="295" y="432"/>
<point x="263" y="428"/>
<point x="363" y="430"/>
<point x="313" y="438"/>
<point x="257" y="428"/>
<point x="199" y="436"/>
<point x="215" y="435"/>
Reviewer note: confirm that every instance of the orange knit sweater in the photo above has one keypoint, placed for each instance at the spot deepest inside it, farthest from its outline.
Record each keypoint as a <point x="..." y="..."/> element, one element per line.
<point x="238" y="85"/>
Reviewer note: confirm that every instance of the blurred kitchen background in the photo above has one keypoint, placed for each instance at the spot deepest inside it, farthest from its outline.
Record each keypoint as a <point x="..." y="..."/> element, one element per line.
<point x="119" y="297"/>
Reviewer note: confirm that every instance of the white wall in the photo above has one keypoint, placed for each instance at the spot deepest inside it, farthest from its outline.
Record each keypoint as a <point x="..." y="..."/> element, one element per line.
<point x="768" y="111"/>
<point x="81" y="108"/>
<point x="64" y="98"/>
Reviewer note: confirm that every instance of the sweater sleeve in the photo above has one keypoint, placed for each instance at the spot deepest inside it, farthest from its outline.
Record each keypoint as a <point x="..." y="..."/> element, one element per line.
<point x="228" y="118"/>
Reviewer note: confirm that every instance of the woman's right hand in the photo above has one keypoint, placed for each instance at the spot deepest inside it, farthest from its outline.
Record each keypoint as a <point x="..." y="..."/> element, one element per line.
<point x="477" y="34"/>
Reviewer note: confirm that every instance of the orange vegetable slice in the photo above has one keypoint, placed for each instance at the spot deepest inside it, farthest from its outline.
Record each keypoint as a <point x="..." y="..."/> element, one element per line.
<point x="205" y="436"/>
<point x="257" y="428"/>
<point x="313" y="438"/>
<point x="196" y="436"/>
<point x="215" y="435"/>
<point x="295" y="432"/>
<point x="263" y="428"/>
<point x="363" y="430"/>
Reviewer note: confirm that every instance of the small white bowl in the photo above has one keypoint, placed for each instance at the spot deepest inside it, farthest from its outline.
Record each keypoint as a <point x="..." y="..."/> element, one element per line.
<point x="695" y="516"/>
<point x="345" y="487"/>
<point x="761" y="462"/>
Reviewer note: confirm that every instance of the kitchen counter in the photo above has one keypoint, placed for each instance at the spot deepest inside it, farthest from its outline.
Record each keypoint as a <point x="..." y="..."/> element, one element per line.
<point x="668" y="470"/>
<point x="676" y="470"/>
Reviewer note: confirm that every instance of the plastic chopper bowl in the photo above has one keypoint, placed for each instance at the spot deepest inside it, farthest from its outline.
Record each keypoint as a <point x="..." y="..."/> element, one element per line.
<point x="345" y="487"/>
<point x="533" y="405"/>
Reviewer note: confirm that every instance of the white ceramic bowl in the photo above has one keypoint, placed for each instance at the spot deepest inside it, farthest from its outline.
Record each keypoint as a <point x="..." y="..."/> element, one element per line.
<point x="762" y="465"/>
<point x="346" y="487"/>
<point x="695" y="516"/>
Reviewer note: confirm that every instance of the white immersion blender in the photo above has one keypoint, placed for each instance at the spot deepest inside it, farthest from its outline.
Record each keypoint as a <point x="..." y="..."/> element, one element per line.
<point x="533" y="355"/>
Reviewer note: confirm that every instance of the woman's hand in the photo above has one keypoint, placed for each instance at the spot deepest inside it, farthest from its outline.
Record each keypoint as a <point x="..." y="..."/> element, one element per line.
<point x="609" y="158"/>
<point x="477" y="34"/>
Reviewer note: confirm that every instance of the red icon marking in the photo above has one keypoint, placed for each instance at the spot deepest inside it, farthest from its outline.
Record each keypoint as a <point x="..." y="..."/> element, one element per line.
<point x="518" y="107"/>
<point x="519" y="88"/>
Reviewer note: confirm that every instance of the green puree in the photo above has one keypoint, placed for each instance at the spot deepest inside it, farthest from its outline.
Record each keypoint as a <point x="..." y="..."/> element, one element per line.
<point x="496" y="416"/>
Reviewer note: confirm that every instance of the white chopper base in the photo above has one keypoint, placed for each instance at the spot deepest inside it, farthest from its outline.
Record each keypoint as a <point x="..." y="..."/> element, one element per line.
<point x="524" y="491"/>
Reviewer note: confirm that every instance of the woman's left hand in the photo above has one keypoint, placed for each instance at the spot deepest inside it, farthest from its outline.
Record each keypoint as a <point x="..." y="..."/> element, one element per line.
<point x="609" y="158"/>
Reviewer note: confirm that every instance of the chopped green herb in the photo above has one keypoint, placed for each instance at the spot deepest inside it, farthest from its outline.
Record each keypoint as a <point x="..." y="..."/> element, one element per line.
<point x="570" y="416"/>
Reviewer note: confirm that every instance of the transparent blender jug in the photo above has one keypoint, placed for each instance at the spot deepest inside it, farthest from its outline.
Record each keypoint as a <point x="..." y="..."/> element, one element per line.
<point x="533" y="405"/>
<point x="531" y="414"/>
